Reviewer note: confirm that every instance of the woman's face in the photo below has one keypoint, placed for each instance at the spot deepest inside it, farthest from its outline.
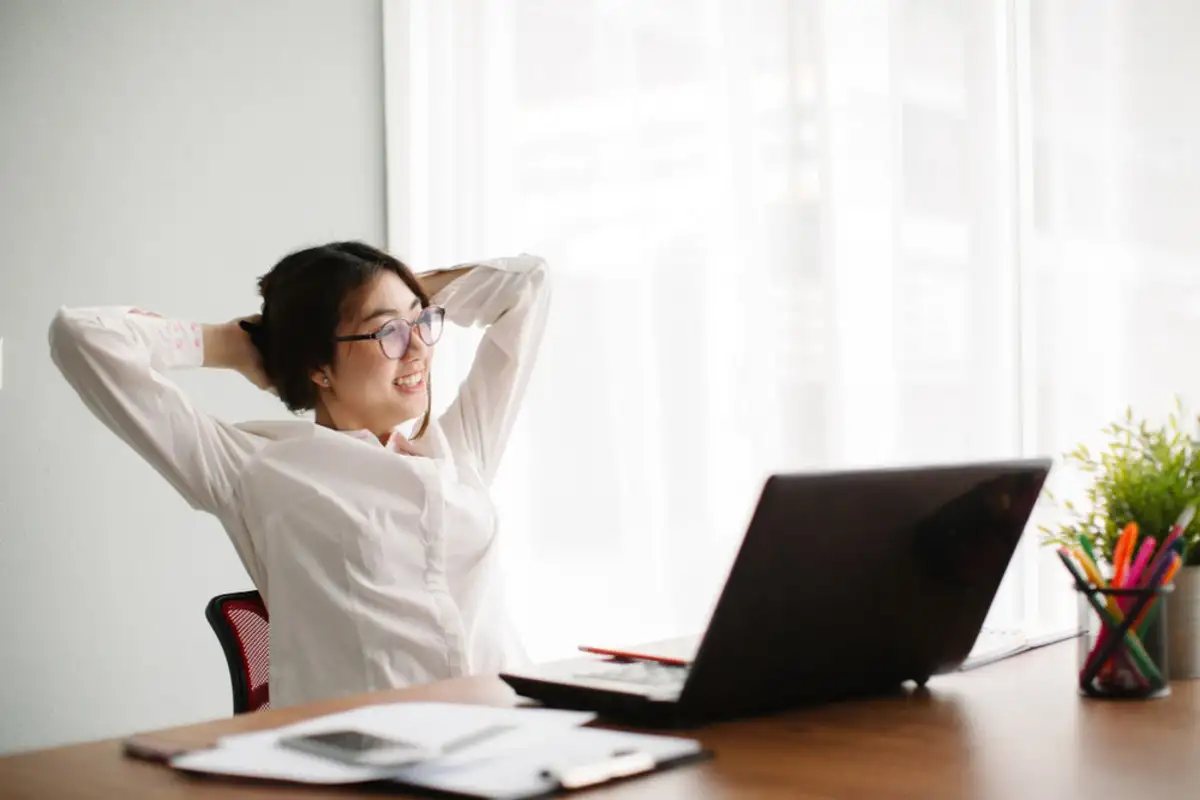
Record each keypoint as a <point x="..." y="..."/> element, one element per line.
<point x="364" y="388"/>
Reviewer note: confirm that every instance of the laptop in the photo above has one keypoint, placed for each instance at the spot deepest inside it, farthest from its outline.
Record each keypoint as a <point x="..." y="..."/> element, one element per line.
<point x="846" y="584"/>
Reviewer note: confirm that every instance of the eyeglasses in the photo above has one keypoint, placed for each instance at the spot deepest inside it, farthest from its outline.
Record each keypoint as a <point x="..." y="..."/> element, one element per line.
<point x="395" y="336"/>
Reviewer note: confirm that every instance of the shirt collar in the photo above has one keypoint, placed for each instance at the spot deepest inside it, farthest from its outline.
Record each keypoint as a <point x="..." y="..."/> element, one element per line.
<point x="366" y="436"/>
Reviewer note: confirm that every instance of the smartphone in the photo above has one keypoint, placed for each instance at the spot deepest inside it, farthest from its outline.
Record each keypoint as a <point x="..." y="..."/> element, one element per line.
<point x="358" y="748"/>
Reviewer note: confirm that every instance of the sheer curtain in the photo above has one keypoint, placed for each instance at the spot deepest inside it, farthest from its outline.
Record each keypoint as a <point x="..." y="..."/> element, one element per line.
<point x="784" y="235"/>
<point x="1111" y="241"/>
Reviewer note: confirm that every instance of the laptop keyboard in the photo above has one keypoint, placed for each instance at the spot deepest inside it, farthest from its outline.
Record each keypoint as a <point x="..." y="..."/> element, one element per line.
<point x="642" y="673"/>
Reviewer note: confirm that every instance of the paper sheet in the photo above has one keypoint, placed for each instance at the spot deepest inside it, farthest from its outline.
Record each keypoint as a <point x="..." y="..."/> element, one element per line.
<point x="259" y="755"/>
<point x="994" y="645"/>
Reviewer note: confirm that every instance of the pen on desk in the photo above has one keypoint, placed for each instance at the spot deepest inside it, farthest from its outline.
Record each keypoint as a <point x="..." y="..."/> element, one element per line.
<point x="474" y="738"/>
<point x="621" y="764"/>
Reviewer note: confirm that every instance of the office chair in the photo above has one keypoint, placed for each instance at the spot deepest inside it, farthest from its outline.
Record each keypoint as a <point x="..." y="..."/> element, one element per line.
<point x="242" y="626"/>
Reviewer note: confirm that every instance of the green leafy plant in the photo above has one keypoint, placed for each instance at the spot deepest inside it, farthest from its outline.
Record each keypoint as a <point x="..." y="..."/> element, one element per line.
<point x="1145" y="475"/>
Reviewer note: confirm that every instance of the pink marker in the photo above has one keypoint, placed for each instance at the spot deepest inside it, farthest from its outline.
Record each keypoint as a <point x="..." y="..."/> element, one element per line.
<point x="1144" y="553"/>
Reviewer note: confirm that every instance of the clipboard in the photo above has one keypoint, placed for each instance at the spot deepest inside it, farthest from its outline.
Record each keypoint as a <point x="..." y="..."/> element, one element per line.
<point x="582" y="758"/>
<point x="537" y="752"/>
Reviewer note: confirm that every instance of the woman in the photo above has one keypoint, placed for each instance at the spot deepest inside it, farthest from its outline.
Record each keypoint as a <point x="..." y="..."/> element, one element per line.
<point x="374" y="551"/>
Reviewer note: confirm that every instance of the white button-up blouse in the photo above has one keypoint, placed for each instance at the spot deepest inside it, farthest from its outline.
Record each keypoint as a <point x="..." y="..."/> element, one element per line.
<point x="379" y="569"/>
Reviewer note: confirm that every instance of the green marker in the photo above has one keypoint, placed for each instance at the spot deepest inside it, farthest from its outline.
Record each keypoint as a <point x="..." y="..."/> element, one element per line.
<point x="1085" y="542"/>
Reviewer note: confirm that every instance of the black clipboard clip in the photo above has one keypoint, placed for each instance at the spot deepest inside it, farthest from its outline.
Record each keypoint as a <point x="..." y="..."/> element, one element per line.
<point x="621" y="764"/>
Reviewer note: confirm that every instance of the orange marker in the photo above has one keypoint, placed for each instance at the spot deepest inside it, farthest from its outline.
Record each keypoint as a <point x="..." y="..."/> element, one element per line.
<point x="1123" y="553"/>
<point x="1171" y="570"/>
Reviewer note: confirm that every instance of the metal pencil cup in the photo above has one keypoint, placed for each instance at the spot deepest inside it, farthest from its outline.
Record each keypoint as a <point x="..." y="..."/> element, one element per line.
<point x="1128" y="659"/>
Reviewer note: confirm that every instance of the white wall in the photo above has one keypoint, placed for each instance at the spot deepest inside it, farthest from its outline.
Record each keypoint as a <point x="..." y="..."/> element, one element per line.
<point x="163" y="155"/>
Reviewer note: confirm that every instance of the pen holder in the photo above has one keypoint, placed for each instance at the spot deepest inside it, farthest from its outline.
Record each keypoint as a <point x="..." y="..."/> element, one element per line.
<point x="1127" y="660"/>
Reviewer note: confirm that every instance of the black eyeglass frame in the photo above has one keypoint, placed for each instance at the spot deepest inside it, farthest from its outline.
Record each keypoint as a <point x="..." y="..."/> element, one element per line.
<point x="423" y="322"/>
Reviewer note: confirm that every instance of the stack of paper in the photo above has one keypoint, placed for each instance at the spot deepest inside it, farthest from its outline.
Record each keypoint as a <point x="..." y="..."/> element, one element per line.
<point x="535" y="751"/>
<point x="259" y="755"/>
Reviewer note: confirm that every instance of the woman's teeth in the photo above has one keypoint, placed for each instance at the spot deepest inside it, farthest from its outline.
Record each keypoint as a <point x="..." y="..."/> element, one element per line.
<point x="409" y="381"/>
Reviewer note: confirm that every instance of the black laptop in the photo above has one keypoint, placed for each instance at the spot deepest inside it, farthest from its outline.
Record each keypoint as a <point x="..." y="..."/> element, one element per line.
<point x="846" y="584"/>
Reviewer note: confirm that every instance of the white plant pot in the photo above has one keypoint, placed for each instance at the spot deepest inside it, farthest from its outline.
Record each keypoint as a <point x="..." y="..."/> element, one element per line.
<point x="1183" y="625"/>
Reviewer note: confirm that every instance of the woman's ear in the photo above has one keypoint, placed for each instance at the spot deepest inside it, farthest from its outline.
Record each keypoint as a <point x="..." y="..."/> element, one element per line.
<point x="320" y="377"/>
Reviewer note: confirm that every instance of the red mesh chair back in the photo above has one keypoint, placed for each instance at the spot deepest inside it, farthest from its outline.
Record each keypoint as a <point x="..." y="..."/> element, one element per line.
<point x="242" y="627"/>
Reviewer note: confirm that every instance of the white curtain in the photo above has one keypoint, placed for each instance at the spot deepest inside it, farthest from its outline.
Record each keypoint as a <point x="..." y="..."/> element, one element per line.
<point x="1111" y="241"/>
<point x="785" y="234"/>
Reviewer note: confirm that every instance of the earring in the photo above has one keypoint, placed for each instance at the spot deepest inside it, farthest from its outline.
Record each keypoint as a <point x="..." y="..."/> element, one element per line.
<point x="325" y="380"/>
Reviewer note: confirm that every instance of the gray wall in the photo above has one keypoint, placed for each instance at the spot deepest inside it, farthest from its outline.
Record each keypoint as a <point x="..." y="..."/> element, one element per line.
<point x="160" y="155"/>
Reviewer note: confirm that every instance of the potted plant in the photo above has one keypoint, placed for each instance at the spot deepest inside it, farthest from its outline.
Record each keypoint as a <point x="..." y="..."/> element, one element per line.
<point x="1147" y="475"/>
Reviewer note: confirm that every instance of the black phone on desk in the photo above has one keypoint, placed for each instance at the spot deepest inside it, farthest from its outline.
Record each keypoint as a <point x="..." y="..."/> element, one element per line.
<point x="358" y="748"/>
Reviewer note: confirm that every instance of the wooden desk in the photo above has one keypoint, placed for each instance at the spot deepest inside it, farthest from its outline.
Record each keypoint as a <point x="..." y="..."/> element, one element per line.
<point x="1015" y="729"/>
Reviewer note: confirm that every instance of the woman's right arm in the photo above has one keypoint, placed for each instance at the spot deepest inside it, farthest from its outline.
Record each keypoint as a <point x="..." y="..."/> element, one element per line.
<point x="115" y="359"/>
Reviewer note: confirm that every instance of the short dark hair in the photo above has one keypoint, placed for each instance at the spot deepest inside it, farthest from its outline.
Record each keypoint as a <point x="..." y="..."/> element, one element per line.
<point x="303" y="299"/>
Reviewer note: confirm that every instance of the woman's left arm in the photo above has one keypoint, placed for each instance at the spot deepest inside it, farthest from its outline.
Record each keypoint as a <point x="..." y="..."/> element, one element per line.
<point x="510" y="297"/>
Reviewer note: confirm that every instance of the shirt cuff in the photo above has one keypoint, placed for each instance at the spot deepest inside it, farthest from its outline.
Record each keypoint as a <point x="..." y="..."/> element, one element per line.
<point x="173" y="343"/>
